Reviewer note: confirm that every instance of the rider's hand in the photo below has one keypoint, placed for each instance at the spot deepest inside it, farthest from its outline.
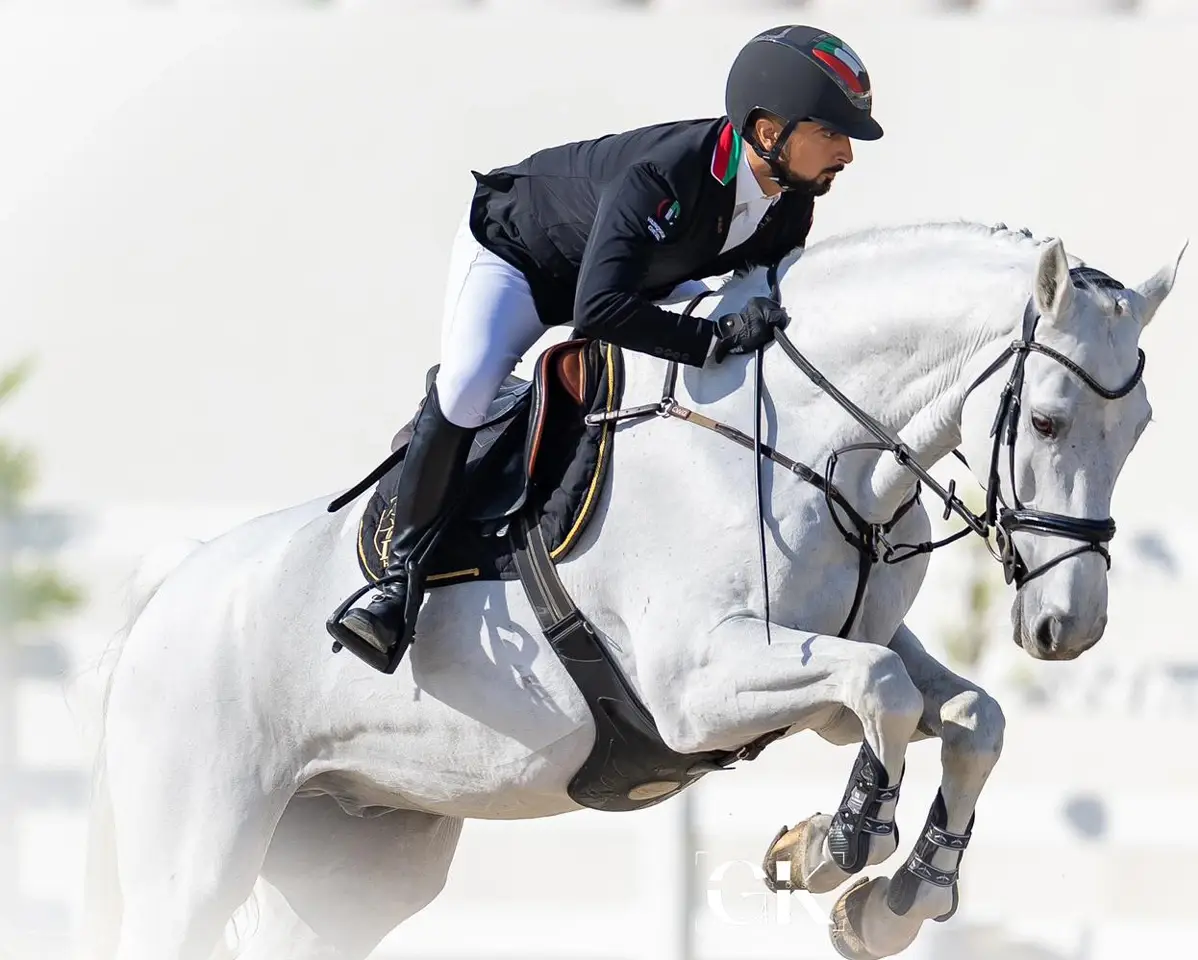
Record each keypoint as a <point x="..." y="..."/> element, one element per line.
<point x="744" y="332"/>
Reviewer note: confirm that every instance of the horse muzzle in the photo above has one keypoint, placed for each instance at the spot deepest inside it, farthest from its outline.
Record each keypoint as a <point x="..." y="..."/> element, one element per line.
<point x="1053" y="635"/>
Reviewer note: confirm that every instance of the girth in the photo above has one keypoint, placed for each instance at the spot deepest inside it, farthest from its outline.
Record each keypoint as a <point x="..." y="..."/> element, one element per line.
<point x="629" y="766"/>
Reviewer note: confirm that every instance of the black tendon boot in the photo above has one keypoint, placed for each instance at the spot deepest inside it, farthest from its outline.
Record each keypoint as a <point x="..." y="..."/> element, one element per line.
<point x="857" y="820"/>
<point x="904" y="885"/>
<point x="428" y="484"/>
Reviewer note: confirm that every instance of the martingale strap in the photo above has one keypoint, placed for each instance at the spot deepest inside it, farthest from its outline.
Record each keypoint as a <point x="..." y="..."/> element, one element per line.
<point x="1093" y="533"/>
<point x="868" y="539"/>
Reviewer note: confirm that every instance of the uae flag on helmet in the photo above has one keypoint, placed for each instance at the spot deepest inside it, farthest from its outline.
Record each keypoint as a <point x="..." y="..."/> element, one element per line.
<point x="844" y="66"/>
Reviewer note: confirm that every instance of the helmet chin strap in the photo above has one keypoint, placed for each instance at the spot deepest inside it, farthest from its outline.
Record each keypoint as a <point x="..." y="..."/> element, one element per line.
<point x="781" y="176"/>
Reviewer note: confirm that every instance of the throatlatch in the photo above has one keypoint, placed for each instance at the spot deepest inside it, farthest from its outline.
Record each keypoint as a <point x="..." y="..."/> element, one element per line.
<point x="857" y="819"/>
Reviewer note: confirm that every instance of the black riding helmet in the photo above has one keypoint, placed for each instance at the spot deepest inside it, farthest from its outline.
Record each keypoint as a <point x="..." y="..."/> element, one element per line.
<point x="799" y="73"/>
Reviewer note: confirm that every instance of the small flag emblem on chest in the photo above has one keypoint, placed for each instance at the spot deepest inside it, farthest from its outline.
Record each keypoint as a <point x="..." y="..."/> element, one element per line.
<point x="727" y="155"/>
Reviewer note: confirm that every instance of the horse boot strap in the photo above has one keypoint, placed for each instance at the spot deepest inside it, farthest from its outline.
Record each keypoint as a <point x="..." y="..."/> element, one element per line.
<point x="900" y="896"/>
<point x="857" y="818"/>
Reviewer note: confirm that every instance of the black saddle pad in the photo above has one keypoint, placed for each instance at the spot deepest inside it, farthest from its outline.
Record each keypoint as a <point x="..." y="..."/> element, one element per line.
<point x="535" y="453"/>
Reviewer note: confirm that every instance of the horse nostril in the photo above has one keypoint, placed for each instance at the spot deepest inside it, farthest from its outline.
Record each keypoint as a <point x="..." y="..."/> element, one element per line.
<point x="1045" y="635"/>
<point x="1054" y="630"/>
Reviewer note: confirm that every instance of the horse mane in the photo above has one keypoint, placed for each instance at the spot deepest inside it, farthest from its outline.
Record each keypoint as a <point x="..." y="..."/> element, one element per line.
<point x="958" y="236"/>
<point x="933" y="231"/>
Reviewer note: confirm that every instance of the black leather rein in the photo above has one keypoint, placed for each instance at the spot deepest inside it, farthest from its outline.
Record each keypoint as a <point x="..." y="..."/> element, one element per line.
<point x="871" y="539"/>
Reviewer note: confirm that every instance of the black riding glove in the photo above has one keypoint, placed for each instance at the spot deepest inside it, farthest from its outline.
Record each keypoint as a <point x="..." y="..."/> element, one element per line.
<point x="744" y="332"/>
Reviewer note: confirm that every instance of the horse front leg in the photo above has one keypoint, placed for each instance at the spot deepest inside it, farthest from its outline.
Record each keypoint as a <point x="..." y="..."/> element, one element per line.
<point x="732" y="687"/>
<point x="880" y="917"/>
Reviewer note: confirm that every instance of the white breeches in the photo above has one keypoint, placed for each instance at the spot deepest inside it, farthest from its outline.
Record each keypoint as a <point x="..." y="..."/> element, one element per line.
<point x="490" y="322"/>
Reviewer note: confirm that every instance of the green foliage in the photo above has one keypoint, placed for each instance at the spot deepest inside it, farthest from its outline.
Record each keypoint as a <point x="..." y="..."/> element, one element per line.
<point x="30" y="591"/>
<point x="965" y="643"/>
<point x="37" y="594"/>
<point x="966" y="640"/>
<point x="11" y="379"/>
<point x="16" y="464"/>
<point x="16" y="477"/>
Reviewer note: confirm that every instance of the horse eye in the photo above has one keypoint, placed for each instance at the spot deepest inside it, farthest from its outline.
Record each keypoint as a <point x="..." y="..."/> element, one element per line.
<point x="1044" y="425"/>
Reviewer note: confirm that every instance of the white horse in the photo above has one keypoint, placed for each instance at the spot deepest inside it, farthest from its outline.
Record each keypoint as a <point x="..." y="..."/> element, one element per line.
<point x="237" y="747"/>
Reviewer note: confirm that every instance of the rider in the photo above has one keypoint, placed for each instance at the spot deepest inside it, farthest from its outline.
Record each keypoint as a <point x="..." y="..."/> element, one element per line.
<point x="593" y="232"/>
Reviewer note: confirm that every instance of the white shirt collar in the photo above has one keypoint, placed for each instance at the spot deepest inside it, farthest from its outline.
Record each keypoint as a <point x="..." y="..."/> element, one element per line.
<point x="747" y="187"/>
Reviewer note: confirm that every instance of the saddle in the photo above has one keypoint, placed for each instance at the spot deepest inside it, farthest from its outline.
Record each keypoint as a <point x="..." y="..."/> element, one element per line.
<point x="533" y="478"/>
<point x="534" y="454"/>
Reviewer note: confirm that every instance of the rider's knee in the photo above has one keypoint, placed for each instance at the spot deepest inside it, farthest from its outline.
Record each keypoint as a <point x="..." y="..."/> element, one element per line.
<point x="974" y="724"/>
<point x="462" y="403"/>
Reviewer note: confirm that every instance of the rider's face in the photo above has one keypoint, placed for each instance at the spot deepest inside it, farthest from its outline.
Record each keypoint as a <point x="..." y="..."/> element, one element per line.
<point x="813" y="154"/>
<point x="816" y="154"/>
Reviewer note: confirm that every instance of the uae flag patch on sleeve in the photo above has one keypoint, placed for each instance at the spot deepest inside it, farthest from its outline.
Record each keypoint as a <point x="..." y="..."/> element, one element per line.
<point x="663" y="218"/>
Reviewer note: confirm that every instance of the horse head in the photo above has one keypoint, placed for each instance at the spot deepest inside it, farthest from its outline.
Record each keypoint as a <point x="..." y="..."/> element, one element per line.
<point x="1071" y="404"/>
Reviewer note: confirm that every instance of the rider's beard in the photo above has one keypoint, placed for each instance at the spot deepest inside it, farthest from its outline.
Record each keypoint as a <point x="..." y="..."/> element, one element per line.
<point x="820" y="185"/>
<point x="809" y="186"/>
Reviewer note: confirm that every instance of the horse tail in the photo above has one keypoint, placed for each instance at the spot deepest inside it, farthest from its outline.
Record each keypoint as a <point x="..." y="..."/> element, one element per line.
<point x="102" y="894"/>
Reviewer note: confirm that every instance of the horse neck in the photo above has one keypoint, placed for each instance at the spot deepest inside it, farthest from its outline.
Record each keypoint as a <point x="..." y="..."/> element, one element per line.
<point x="894" y="327"/>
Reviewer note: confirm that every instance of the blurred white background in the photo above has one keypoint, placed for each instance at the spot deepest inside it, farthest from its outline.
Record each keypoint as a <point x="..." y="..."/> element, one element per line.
<point x="208" y="210"/>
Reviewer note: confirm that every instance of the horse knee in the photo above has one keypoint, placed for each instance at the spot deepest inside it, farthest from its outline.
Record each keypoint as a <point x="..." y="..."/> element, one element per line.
<point x="973" y="725"/>
<point x="885" y="689"/>
<point x="684" y="730"/>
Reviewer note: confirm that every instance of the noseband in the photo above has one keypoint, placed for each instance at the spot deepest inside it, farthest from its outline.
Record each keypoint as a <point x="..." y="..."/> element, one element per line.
<point x="1093" y="535"/>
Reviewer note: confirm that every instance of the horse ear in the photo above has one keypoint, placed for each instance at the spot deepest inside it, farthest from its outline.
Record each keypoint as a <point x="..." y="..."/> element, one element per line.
<point x="1053" y="290"/>
<point x="1154" y="290"/>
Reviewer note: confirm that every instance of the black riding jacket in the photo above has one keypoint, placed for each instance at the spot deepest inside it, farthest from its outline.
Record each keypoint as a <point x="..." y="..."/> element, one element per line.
<point x="601" y="228"/>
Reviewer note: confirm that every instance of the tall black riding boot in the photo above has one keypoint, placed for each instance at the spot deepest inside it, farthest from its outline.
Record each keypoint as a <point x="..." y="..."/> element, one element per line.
<point x="428" y="483"/>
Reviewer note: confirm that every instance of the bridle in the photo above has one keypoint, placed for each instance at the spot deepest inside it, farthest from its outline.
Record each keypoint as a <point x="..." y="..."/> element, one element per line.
<point x="1093" y="535"/>
<point x="871" y="539"/>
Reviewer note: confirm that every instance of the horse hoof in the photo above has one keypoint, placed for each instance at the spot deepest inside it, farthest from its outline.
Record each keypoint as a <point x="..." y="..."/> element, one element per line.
<point x="787" y="863"/>
<point x="788" y="860"/>
<point x="789" y="846"/>
<point x="847" y="931"/>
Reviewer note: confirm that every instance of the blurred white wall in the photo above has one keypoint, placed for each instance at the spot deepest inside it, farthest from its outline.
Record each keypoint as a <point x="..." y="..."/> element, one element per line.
<point x="207" y="218"/>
